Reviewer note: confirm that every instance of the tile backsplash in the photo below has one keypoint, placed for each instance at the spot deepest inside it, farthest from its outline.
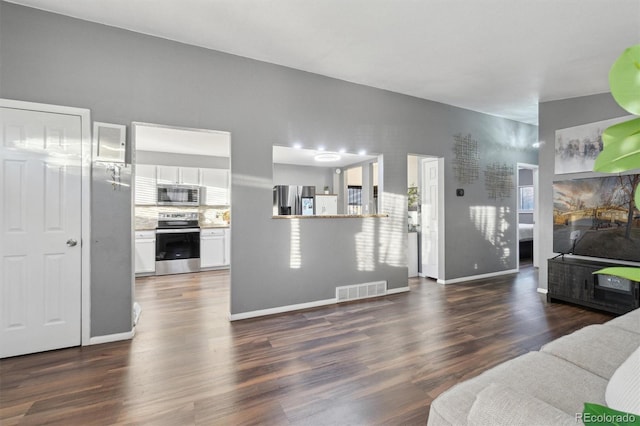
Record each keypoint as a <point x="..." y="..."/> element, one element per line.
<point x="147" y="216"/>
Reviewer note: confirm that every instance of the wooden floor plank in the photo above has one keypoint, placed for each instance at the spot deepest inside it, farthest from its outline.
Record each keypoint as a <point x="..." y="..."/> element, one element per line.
<point x="380" y="361"/>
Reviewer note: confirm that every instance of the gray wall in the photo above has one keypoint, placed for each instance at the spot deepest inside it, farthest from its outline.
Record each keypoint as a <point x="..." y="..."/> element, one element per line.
<point x="289" y="174"/>
<point x="111" y="256"/>
<point x="123" y="77"/>
<point x="560" y="115"/>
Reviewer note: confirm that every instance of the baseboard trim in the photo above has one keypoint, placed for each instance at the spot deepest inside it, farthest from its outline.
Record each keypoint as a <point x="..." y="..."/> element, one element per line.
<point x="280" y="309"/>
<point x="398" y="290"/>
<point x="96" y="340"/>
<point x="301" y="306"/>
<point x="478" y="277"/>
<point x="542" y="290"/>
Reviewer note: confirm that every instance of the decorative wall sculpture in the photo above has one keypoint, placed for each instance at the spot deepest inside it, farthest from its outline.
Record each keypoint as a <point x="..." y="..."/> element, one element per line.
<point x="466" y="163"/>
<point x="498" y="179"/>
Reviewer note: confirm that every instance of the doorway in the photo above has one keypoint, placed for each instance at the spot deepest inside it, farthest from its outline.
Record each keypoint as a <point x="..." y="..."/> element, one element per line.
<point x="45" y="244"/>
<point x="182" y="201"/>
<point x="425" y="195"/>
<point x="527" y="229"/>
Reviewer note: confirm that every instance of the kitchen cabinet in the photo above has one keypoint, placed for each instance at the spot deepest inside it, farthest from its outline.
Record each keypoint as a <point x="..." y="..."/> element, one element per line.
<point x="413" y="254"/>
<point x="213" y="250"/>
<point x="326" y="204"/>
<point x="189" y="176"/>
<point x="145" y="252"/>
<point x="168" y="175"/>
<point x="175" y="175"/>
<point x="145" y="185"/>
<point x="227" y="246"/>
<point x="216" y="186"/>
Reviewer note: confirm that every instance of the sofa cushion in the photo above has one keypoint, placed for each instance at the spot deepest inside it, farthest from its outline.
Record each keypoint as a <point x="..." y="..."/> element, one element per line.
<point x="629" y="321"/>
<point x="623" y="390"/>
<point x="501" y="405"/>
<point x="543" y="376"/>
<point x="599" y="349"/>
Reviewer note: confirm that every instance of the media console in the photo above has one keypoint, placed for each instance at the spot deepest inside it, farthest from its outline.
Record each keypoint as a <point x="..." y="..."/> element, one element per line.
<point x="572" y="280"/>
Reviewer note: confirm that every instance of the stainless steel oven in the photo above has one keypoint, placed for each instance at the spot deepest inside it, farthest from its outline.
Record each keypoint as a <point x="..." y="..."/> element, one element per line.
<point x="177" y="243"/>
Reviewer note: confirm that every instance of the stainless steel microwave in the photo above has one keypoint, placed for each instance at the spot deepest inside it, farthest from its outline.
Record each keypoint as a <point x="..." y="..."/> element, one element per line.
<point x="178" y="195"/>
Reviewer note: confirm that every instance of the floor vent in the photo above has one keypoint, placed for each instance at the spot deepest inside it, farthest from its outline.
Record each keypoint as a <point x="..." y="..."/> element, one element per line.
<point x="361" y="291"/>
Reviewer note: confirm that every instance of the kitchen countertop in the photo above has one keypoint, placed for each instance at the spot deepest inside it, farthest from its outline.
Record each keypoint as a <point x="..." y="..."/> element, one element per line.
<point x="201" y="227"/>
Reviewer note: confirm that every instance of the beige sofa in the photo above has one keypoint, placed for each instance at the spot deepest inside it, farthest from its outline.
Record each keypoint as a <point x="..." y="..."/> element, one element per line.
<point x="549" y="386"/>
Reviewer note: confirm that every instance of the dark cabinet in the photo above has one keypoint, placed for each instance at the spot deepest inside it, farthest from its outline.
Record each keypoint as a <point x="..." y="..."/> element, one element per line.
<point x="572" y="280"/>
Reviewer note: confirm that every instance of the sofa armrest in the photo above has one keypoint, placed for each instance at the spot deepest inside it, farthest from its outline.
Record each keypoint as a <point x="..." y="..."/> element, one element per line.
<point x="500" y="405"/>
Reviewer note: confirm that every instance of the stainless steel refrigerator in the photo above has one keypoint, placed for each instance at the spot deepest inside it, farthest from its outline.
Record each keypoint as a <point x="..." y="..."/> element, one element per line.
<point x="287" y="199"/>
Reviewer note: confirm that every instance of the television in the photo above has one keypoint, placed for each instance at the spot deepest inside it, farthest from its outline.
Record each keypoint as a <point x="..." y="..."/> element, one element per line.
<point x="597" y="217"/>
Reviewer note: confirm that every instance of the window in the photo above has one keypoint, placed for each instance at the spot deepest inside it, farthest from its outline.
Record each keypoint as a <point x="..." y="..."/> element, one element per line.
<point x="355" y="199"/>
<point x="525" y="198"/>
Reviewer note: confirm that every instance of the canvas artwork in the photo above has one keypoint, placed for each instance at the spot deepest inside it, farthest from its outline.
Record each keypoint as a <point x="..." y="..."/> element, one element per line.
<point x="577" y="147"/>
<point x="597" y="217"/>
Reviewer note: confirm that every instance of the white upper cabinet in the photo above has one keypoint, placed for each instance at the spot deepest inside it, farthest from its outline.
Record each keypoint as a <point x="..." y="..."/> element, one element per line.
<point x="190" y="176"/>
<point x="215" y="183"/>
<point x="179" y="175"/>
<point x="216" y="186"/>
<point x="168" y="175"/>
<point x="145" y="190"/>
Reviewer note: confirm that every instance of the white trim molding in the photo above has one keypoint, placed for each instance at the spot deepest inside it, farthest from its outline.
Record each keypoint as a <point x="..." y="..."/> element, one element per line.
<point x="398" y="290"/>
<point x="97" y="340"/>
<point x="280" y="309"/>
<point x="301" y="306"/>
<point x="478" y="277"/>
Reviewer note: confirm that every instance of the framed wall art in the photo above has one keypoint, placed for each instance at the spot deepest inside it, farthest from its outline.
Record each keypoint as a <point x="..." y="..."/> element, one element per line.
<point x="577" y="147"/>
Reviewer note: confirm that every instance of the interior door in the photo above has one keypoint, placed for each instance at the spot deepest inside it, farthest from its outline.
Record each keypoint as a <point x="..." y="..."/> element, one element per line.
<point x="429" y="217"/>
<point x="40" y="219"/>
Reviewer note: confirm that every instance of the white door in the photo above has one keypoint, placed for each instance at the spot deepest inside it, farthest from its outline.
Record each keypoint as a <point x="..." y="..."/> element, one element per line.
<point x="40" y="219"/>
<point x="429" y="217"/>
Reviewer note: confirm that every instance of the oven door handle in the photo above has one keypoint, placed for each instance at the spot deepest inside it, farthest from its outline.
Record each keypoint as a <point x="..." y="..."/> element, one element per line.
<point x="177" y="231"/>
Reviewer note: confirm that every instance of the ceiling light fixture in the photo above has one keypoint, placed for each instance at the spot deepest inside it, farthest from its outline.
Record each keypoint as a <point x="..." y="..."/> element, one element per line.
<point x="327" y="156"/>
<point x="362" y="152"/>
<point x="297" y="145"/>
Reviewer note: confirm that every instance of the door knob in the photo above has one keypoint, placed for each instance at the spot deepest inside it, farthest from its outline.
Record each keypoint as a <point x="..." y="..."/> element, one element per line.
<point x="71" y="242"/>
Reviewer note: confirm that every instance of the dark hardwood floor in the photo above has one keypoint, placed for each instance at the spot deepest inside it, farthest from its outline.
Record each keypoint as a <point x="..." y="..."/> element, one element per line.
<point x="379" y="361"/>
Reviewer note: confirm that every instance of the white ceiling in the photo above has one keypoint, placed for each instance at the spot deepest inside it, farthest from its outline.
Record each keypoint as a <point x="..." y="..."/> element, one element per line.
<point x="495" y="56"/>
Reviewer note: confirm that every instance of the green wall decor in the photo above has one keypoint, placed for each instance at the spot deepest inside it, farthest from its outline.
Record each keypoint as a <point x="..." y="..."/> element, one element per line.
<point x="621" y="141"/>
<point x="621" y="151"/>
<point x="624" y="80"/>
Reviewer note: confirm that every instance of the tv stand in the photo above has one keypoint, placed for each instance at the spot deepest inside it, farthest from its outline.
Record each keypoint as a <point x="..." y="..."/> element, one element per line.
<point x="572" y="280"/>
